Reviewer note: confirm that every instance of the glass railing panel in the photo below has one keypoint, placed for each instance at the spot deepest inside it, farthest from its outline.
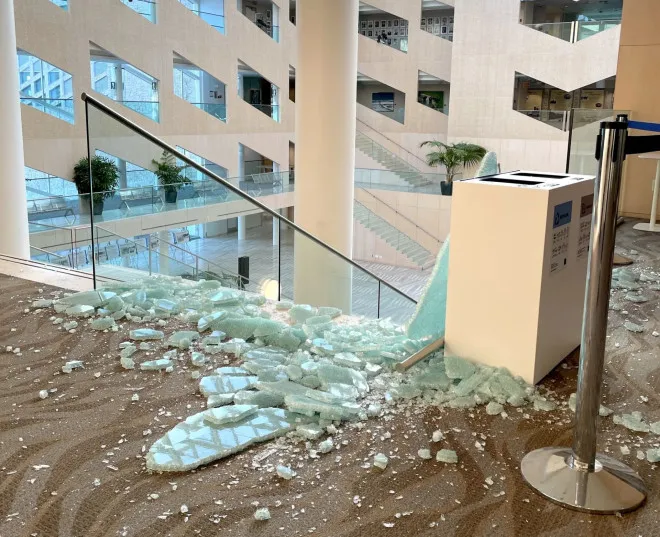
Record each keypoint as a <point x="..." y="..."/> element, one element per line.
<point x="217" y="20"/>
<point x="394" y="306"/>
<point x="64" y="4"/>
<point x="582" y="140"/>
<point x="52" y="244"/>
<point x="271" y="110"/>
<point x="558" y="119"/>
<point x="146" y="8"/>
<point x="60" y="108"/>
<point x="218" y="111"/>
<point x="586" y="29"/>
<point x="424" y="183"/>
<point x="148" y="109"/>
<point x="277" y="268"/>
<point x="560" y="30"/>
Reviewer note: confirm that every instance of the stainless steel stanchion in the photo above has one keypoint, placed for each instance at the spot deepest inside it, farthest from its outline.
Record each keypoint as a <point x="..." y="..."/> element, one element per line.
<point x="580" y="478"/>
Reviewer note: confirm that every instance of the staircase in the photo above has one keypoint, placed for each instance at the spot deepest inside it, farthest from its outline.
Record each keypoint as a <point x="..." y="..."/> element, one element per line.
<point x="410" y="175"/>
<point x="401" y="242"/>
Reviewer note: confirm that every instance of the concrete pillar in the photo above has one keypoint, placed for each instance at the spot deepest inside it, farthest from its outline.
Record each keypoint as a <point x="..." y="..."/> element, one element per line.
<point x="241" y="228"/>
<point x="14" y="239"/>
<point x="123" y="178"/>
<point x="325" y="148"/>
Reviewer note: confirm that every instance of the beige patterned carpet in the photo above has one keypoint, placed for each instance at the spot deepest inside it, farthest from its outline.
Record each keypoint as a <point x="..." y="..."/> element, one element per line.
<point x="90" y="429"/>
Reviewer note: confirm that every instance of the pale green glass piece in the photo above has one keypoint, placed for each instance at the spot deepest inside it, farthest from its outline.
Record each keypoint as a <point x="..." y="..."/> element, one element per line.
<point x="254" y="299"/>
<point x="544" y="405"/>
<point x="71" y="365"/>
<point x="193" y="443"/>
<point x="103" y="323"/>
<point x="115" y="304"/>
<point x="329" y="311"/>
<point x="380" y="461"/>
<point x="216" y="338"/>
<point x="96" y="299"/>
<point x="198" y="359"/>
<point x="143" y="334"/>
<point x="283" y="305"/>
<point x="653" y="455"/>
<point x="310" y="407"/>
<point x="128" y="351"/>
<point x="166" y="306"/>
<point x="286" y="339"/>
<point x="326" y="446"/>
<point x="42" y="303"/>
<point x="127" y="362"/>
<point x="80" y="310"/>
<point x="470" y="384"/>
<point x="229" y="414"/>
<point x="301" y="312"/>
<point x="343" y="391"/>
<point x="225" y="297"/>
<point x="182" y="339"/>
<point x="633" y="421"/>
<point x="329" y="374"/>
<point x="285" y="472"/>
<point x="266" y="327"/>
<point x="493" y="408"/>
<point x="639" y="299"/>
<point x="262" y="514"/>
<point x="348" y="359"/>
<point x="628" y="325"/>
<point x="447" y="456"/>
<point x="310" y="431"/>
<point x="220" y="399"/>
<point x="458" y="368"/>
<point x="283" y="388"/>
<point x="156" y="365"/>
<point x="261" y="399"/>
<point x="219" y="384"/>
<point x="310" y="381"/>
<point x="405" y="391"/>
<point x="373" y="370"/>
<point x="293" y="372"/>
<point x="210" y="320"/>
<point x="232" y="371"/>
<point x="433" y="377"/>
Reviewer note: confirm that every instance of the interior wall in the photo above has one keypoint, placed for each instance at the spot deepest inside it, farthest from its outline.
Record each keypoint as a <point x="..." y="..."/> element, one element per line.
<point x="639" y="56"/>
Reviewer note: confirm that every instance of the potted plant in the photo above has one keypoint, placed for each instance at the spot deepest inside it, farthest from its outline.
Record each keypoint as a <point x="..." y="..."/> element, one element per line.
<point x="452" y="157"/>
<point x="169" y="176"/>
<point x="105" y="178"/>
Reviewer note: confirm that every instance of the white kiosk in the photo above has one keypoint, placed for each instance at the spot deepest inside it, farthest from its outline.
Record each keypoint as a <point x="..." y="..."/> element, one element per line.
<point x="517" y="269"/>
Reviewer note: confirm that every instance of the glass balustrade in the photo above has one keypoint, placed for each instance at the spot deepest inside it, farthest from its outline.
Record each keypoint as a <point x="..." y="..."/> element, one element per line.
<point x="60" y="108"/>
<point x="584" y="130"/>
<point x="218" y="111"/>
<point x="576" y="30"/>
<point x="275" y="270"/>
<point x="146" y="8"/>
<point x="216" y="20"/>
<point x="64" y="4"/>
<point x="558" y="119"/>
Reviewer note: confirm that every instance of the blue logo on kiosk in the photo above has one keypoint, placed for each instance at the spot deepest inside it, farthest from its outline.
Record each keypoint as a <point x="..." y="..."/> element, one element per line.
<point x="562" y="214"/>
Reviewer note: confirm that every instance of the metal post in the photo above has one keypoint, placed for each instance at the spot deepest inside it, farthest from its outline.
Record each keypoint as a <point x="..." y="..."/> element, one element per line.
<point x="243" y="271"/>
<point x="581" y="478"/>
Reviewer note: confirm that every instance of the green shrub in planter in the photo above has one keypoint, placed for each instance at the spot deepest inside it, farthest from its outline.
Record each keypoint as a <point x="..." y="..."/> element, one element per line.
<point x="169" y="176"/>
<point x="452" y="157"/>
<point x="105" y="176"/>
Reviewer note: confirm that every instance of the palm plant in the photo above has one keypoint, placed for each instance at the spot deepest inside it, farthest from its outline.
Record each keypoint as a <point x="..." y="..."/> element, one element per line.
<point x="453" y="156"/>
<point x="169" y="175"/>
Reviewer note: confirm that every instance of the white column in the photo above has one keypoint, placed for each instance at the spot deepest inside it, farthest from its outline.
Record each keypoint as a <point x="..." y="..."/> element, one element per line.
<point x="14" y="239"/>
<point x="325" y="148"/>
<point x="276" y="230"/>
<point x="241" y="228"/>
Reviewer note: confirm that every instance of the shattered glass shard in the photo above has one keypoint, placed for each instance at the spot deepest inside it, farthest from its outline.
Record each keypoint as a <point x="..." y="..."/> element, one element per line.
<point x="193" y="443"/>
<point x="95" y="299"/>
<point x="156" y="365"/>
<point x="229" y="414"/>
<point x="446" y="455"/>
<point x="219" y="384"/>
<point x="458" y="368"/>
<point x="142" y="334"/>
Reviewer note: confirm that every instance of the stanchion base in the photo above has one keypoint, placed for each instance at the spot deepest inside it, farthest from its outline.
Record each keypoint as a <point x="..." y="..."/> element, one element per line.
<point x="647" y="227"/>
<point x="611" y="488"/>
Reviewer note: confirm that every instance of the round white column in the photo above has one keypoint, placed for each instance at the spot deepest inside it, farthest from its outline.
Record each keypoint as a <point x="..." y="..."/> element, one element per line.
<point x="14" y="239"/>
<point x="241" y="228"/>
<point x="326" y="88"/>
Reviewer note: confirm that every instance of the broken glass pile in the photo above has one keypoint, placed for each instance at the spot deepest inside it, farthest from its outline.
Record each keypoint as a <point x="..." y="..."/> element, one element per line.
<point x="296" y="369"/>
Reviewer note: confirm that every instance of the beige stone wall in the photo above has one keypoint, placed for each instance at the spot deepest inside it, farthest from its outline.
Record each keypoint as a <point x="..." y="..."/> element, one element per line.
<point x="637" y="78"/>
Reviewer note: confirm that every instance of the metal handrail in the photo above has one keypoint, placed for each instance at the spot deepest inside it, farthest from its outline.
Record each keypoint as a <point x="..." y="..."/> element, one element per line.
<point x="393" y="142"/>
<point x="88" y="99"/>
<point x="403" y="216"/>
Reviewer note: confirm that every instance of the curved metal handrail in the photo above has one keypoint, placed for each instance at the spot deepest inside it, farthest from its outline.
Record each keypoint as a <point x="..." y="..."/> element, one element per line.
<point x="403" y="216"/>
<point x="88" y="99"/>
<point x="396" y="144"/>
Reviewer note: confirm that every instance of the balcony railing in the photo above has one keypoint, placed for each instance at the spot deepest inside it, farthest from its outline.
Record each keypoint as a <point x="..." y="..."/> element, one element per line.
<point x="574" y="31"/>
<point x="272" y="110"/>
<point x="149" y="109"/>
<point x="217" y="110"/>
<point x="64" y="4"/>
<point x="216" y="20"/>
<point x="60" y="108"/>
<point x="146" y="8"/>
<point x="559" y="119"/>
